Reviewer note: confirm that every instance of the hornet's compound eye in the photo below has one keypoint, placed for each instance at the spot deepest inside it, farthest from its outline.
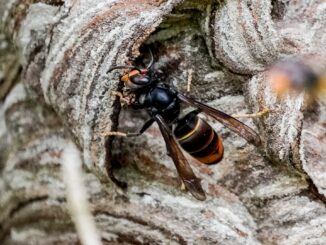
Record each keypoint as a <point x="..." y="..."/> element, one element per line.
<point x="140" y="79"/>
<point x="136" y="79"/>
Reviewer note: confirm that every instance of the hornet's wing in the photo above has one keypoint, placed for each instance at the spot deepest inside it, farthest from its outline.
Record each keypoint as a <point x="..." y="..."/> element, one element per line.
<point x="185" y="172"/>
<point x="230" y="122"/>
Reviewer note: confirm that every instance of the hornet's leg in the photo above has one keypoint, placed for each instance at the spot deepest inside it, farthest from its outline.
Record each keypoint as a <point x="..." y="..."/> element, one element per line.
<point x="254" y="115"/>
<point x="141" y="131"/>
<point x="111" y="165"/>
<point x="182" y="186"/>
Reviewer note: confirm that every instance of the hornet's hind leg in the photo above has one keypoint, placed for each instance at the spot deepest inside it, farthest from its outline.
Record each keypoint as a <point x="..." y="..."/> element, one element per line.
<point x="254" y="115"/>
<point x="111" y="164"/>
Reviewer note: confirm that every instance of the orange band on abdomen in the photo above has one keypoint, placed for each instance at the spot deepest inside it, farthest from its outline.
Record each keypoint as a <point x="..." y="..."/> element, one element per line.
<point x="215" y="156"/>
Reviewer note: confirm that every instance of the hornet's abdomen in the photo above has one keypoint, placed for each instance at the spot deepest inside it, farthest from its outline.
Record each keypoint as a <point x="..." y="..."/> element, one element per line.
<point x="199" y="139"/>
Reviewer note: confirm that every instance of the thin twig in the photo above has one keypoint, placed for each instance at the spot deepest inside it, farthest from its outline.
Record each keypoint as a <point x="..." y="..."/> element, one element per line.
<point x="77" y="197"/>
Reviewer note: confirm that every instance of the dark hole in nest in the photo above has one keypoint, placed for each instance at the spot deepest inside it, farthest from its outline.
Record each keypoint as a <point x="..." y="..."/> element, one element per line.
<point x="278" y="9"/>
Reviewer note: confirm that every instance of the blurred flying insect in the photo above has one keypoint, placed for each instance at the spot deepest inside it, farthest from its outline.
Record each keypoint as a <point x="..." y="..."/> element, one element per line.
<point x="293" y="76"/>
<point x="191" y="133"/>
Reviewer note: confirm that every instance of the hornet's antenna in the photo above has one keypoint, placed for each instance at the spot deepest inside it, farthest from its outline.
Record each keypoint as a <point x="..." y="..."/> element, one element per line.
<point x="122" y="67"/>
<point x="152" y="59"/>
